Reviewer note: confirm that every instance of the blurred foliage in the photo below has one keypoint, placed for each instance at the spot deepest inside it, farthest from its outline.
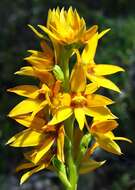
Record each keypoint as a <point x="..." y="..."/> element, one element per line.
<point x="116" y="47"/>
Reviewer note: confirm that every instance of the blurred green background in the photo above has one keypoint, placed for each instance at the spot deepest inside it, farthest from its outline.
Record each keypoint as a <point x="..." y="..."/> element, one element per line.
<point x="117" y="47"/>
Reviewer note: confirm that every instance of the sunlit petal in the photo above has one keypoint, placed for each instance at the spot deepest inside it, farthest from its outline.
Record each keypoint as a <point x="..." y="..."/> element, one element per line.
<point x="101" y="34"/>
<point x="106" y="83"/>
<point x="95" y="100"/>
<point x="103" y="126"/>
<point x="29" y="91"/>
<point x="31" y="172"/>
<point x="24" y="107"/>
<point x="48" y="142"/>
<point x="102" y="69"/>
<point x="61" y="115"/>
<point x="26" y="138"/>
<point x="99" y="113"/>
<point x="80" y="117"/>
<point x="91" y="88"/>
<point x="60" y="144"/>
<point x="89" y="51"/>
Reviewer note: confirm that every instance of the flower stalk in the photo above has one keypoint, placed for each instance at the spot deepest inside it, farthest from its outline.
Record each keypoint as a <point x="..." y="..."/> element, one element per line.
<point x="71" y="166"/>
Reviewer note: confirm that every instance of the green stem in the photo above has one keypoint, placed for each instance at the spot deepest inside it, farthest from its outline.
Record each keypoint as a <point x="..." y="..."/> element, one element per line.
<point x="69" y="125"/>
<point x="64" y="64"/>
<point x="72" y="171"/>
<point x="71" y="165"/>
<point x="69" y="128"/>
<point x="66" y="76"/>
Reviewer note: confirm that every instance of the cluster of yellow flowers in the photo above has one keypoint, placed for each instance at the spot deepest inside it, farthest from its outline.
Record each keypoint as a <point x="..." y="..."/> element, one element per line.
<point x="55" y="111"/>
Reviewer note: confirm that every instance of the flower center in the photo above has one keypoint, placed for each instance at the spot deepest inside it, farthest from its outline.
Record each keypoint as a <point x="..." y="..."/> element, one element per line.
<point x="78" y="101"/>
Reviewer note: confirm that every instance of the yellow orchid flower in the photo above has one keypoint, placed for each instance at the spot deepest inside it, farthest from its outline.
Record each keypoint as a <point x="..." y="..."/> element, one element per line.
<point x="105" y="139"/>
<point x="81" y="104"/>
<point x="43" y="75"/>
<point x="30" y="91"/>
<point x="33" y="168"/>
<point x="66" y="27"/>
<point x="42" y="139"/>
<point x="97" y="72"/>
<point x="42" y="63"/>
<point x="42" y="60"/>
<point x="37" y="99"/>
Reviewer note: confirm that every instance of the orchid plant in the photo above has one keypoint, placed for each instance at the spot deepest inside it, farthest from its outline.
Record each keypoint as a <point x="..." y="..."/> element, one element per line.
<point x="65" y="118"/>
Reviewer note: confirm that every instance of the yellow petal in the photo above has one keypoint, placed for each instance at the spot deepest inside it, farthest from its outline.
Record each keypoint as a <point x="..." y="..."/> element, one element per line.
<point x="110" y="135"/>
<point x="60" y="144"/>
<point x="26" y="138"/>
<point x="103" y="126"/>
<point x="80" y="117"/>
<point x="101" y="34"/>
<point x="41" y="106"/>
<point x="44" y="76"/>
<point x="61" y="115"/>
<point x="45" y="47"/>
<point x="91" y="88"/>
<point x="48" y="142"/>
<point x="90" y="150"/>
<point x="28" y="71"/>
<point x="24" y="107"/>
<point x="108" y="144"/>
<point x="24" y="166"/>
<point x="89" y="33"/>
<point x="36" y="32"/>
<point x="31" y="172"/>
<point x="47" y="31"/>
<point x="28" y="121"/>
<point x="24" y="120"/>
<point x="40" y="63"/>
<point x="106" y="83"/>
<point x="78" y="83"/>
<point x="99" y="113"/>
<point x="102" y="69"/>
<point x="29" y="155"/>
<point x="89" y="165"/>
<point x="96" y="100"/>
<point x="29" y="91"/>
<point x="122" y="139"/>
<point x="89" y="51"/>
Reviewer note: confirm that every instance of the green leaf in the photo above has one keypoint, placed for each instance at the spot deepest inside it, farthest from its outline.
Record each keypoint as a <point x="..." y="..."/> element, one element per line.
<point x="83" y="147"/>
<point x="61" y="171"/>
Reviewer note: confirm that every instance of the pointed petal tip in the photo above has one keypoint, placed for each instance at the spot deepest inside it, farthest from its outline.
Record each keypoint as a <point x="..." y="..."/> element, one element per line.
<point x="107" y="30"/>
<point x="96" y="27"/>
<point x="26" y="58"/>
<point x="8" y="90"/>
<point x="30" y="26"/>
<point x="7" y="143"/>
<point x="21" y="182"/>
<point x="16" y="73"/>
<point x="103" y="162"/>
<point x="130" y="141"/>
<point x="122" y="69"/>
<point x="9" y="115"/>
<point x="101" y="34"/>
